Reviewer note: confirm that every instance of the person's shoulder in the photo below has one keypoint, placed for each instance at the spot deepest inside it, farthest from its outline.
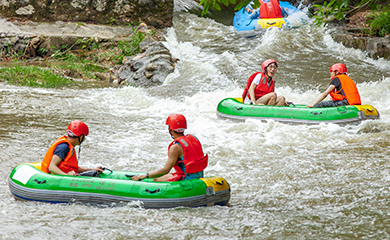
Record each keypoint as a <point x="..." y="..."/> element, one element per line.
<point x="62" y="146"/>
<point x="175" y="148"/>
<point x="61" y="150"/>
<point x="335" y="80"/>
<point x="258" y="74"/>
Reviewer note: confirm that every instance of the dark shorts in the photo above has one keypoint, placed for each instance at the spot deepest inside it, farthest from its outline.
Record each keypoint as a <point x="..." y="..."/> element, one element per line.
<point x="331" y="103"/>
<point x="91" y="173"/>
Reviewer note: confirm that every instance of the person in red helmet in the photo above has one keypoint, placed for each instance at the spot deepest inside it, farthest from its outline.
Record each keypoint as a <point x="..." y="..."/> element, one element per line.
<point x="61" y="158"/>
<point x="185" y="155"/>
<point x="267" y="9"/>
<point x="342" y="89"/>
<point x="260" y="87"/>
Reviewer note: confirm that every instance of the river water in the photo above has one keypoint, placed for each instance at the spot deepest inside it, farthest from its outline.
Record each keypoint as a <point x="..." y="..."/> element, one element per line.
<point x="287" y="181"/>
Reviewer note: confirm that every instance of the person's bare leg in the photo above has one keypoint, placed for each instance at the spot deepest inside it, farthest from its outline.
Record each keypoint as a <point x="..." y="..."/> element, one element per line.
<point x="163" y="178"/>
<point x="268" y="99"/>
<point x="280" y="101"/>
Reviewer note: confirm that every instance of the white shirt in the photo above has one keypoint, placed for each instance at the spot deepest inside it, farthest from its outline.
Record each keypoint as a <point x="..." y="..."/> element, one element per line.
<point x="255" y="81"/>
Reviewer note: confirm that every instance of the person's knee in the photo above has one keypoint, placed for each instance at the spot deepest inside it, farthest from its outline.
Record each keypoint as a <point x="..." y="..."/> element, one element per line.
<point x="273" y="96"/>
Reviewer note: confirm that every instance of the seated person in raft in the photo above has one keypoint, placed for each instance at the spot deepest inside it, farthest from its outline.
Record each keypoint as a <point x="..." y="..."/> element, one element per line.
<point x="260" y="87"/>
<point x="267" y="9"/>
<point x="342" y="89"/>
<point x="185" y="155"/>
<point x="61" y="158"/>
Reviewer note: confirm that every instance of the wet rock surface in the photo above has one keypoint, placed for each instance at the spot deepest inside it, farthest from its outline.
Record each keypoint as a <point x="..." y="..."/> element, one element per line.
<point x="118" y="12"/>
<point x="31" y="38"/>
<point x="375" y="47"/>
<point x="354" y="34"/>
<point x="149" y="68"/>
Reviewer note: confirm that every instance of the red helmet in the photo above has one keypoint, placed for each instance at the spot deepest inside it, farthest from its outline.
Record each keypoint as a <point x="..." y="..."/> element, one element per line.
<point x="266" y="63"/>
<point x="177" y="122"/>
<point x="339" y="67"/>
<point x="77" y="128"/>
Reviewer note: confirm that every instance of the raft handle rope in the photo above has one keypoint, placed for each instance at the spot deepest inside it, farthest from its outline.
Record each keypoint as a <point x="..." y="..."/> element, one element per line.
<point x="129" y="176"/>
<point x="370" y="110"/>
<point x="220" y="183"/>
<point x="291" y="103"/>
<point x="39" y="182"/>
<point x="104" y="168"/>
<point x="155" y="191"/>
<point x="238" y="108"/>
<point x="249" y="22"/>
<point x="316" y="113"/>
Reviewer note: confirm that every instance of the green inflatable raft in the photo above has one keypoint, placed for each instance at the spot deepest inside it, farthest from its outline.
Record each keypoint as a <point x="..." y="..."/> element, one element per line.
<point x="235" y="109"/>
<point x="115" y="188"/>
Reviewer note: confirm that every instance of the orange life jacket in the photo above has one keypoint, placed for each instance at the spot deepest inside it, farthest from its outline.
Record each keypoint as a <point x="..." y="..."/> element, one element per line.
<point x="270" y="9"/>
<point x="194" y="159"/>
<point x="261" y="89"/>
<point x="349" y="88"/>
<point x="68" y="164"/>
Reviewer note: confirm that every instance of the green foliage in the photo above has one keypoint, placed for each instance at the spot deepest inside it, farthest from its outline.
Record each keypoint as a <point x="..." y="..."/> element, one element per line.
<point x="64" y="53"/>
<point x="86" y="70"/>
<point x="89" y="43"/>
<point x="215" y="4"/>
<point x="42" y="51"/>
<point x="131" y="47"/>
<point x="10" y="53"/>
<point x="240" y="5"/>
<point x="338" y="9"/>
<point x="380" y="24"/>
<point x="32" y="76"/>
<point x="334" y="10"/>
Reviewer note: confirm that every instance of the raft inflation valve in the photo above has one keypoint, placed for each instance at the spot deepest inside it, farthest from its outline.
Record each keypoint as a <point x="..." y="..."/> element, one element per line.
<point x="210" y="191"/>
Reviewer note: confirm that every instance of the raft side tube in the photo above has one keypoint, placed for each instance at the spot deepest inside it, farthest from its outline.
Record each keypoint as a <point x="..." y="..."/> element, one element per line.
<point x="234" y="109"/>
<point x="26" y="182"/>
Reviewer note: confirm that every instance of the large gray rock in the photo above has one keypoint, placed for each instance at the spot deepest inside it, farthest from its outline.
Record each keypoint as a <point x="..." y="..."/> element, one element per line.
<point x="14" y="42"/>
<point x="149" y="68"/>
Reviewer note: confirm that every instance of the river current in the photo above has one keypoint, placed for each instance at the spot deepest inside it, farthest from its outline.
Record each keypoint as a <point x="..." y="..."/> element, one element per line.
<point x="287" y="181"/>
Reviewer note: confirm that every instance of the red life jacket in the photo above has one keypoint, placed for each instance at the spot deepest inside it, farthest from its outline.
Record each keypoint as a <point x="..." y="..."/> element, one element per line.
<point x="194" y="159"/>
<point x="350" y="90"/>
<point x="68" y="164"/>
<point x="270" y="9"/>
<point x="261" y="89"/>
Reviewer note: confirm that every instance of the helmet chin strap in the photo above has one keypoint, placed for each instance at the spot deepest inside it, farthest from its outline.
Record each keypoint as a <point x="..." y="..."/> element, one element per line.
<point x="78" y="159"/>
<point x="169" y="130"/>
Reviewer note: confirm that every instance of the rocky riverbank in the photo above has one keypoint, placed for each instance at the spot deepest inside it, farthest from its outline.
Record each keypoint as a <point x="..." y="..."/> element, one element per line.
<point x="144" y="60"/>
<point x="375" y="47"/>
<point x="102" y="34"/>
<point x="49" y="41"/>
<point x="353" y="33"/>
<point x="114" y="12"/>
